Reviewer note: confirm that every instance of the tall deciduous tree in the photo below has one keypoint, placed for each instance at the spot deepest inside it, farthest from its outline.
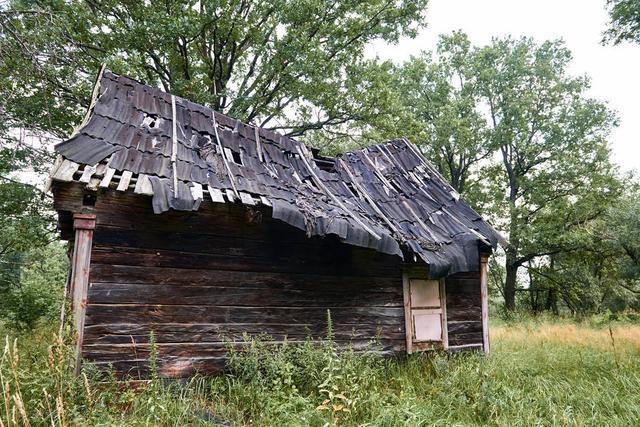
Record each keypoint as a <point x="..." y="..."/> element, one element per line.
<point x="554" y="172"/>
<point x="518" y="136"/>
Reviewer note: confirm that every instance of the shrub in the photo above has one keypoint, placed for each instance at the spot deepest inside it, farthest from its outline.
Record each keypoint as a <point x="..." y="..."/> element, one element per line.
<point x="37" y="292"/>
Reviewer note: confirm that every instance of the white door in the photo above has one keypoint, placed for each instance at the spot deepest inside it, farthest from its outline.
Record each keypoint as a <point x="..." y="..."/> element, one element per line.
<point x="426" y="314"/>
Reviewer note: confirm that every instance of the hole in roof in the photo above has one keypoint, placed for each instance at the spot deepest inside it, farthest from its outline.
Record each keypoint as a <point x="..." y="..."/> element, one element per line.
<point x="326" y="164"/>
<point x="151" y="121"/>
<point x="237" y="158"/>
<point x="394" y="185"/>
<point x="352" y="189"/>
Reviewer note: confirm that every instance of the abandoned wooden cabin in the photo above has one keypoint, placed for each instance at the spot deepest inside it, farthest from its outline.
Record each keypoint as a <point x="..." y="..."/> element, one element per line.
<point x="198" y="227"/>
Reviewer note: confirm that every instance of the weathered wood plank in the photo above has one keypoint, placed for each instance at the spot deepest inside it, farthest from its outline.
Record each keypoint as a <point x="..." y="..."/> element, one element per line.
<point x="87" y="173"/>
<point x="65" y="171"/>
<point x="329" y="282"/>
<point x="212" y="332"/>
<point x="108" y="176"/>
<point x="463" y="339"/>
<point x="484" y="295"/>
<point x="462" y="315"/>
<point x="443" y="318"/>
<point x="265" y="201"/>
<point x="83" y="225"/>
<point x="106" y="293"/>
<point x="123" y="185"/>
<point x="114" y="313"/>
<point x="107" y="352"/>
<point x="216" y="195"/>
<point x="197" y="194"/>
<point x="287" y="259"/>
<point x="462" y="327"/>
<point x="463" y="302"/>
<point x="247" y="199"/>
<point x="170" y="367"/>
<point x="143" y="185"/>
<point x="406" y="306"/>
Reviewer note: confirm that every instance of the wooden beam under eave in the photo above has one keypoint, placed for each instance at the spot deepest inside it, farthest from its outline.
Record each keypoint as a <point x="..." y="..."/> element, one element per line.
<point x="484" y="295"/>
<point x="84" y="225"/>
<point x="407" y="312"/>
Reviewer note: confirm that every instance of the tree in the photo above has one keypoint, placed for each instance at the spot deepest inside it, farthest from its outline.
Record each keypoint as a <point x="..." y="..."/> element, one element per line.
<point x="518" y="137"/>
<point x="603" y="273"/>
<point x="624" y="21"/>
<point x="554" y="173"/>
<point x="284" y="64"/>
<point x="26" y="218"/>
<point x="434" y="103"/>
<point x="442" y="96"/>
<point x="623" y="228"/>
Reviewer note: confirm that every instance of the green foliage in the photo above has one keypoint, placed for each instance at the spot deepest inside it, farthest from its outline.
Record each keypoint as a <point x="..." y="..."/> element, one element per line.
<point x="518" y="136"/>
<point x="601" y="272"/>
<point x="285" y="64"/>
<point x="441" y="110"/>
<point x="555" y="174"/>
<point x="624" y="24"/>
<point x="624" y="231"/>
<point x="25" y="222"/>
<point x="36" y="292"/>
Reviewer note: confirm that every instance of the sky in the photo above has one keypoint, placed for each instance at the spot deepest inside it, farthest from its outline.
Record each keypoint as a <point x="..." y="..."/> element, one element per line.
<point x="614" y="70"/>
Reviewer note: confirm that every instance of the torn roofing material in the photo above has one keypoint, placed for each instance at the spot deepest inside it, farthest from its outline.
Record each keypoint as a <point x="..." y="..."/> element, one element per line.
<point x="386" y="197"/>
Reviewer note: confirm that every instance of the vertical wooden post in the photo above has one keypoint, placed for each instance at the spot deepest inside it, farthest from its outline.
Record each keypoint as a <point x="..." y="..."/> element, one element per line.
<point x="83" y="224"/>
<point x="484" y="294"/>
<point x="408" y="321"/>
<point x="443" y="316"/>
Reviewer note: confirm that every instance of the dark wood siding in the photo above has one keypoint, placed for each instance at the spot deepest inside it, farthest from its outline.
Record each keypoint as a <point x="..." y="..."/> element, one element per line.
<point x="197" y="279"/>
<point x="464" y="310"/>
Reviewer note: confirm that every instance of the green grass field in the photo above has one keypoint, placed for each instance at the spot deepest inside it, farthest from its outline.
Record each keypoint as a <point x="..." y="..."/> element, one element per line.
<point x="540" y="373"/>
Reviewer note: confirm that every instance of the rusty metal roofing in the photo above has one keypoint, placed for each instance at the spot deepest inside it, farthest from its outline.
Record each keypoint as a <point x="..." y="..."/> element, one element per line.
<point x="386" y="197"/>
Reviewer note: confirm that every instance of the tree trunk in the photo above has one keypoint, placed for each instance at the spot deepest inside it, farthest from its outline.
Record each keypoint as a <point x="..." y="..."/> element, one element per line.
<point x="510" y="282"/>
<point x="552" y="301"/>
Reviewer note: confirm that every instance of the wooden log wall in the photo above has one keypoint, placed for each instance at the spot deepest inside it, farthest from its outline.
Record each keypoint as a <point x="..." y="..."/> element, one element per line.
<point x="464" y="311"/>
<point x="198" y="279"/>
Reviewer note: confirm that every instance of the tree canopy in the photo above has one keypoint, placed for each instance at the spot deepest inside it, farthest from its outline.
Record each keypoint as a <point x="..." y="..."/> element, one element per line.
<point x="289" y="65"/>
<point x="624" y="21"/>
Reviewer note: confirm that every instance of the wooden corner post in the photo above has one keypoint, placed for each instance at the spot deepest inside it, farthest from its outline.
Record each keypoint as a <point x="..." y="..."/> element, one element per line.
<point x="484" y="294"/>
<point x="83" y="224"/>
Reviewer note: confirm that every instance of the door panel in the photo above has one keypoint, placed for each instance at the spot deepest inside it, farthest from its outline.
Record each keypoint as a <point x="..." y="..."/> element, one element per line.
<point x="425" y="293"/>
<point x="427" y="327"/>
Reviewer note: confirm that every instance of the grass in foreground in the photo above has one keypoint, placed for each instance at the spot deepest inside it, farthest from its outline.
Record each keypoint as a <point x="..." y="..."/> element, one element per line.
<point x="539" y="374"/>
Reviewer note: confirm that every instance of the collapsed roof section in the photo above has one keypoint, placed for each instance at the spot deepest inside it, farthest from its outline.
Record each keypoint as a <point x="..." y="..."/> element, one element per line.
<point x="386" y="197"/>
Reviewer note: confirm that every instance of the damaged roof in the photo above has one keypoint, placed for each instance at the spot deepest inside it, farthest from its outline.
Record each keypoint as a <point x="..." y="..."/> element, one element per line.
<point x="386" y="197"/>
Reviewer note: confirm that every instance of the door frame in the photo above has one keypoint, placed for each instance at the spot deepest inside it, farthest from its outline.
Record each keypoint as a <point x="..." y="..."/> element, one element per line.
<point x="421" y="272"/>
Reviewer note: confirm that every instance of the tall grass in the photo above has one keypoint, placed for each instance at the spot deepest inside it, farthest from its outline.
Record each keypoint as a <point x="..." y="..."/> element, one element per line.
<point x="540" y="373"/>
